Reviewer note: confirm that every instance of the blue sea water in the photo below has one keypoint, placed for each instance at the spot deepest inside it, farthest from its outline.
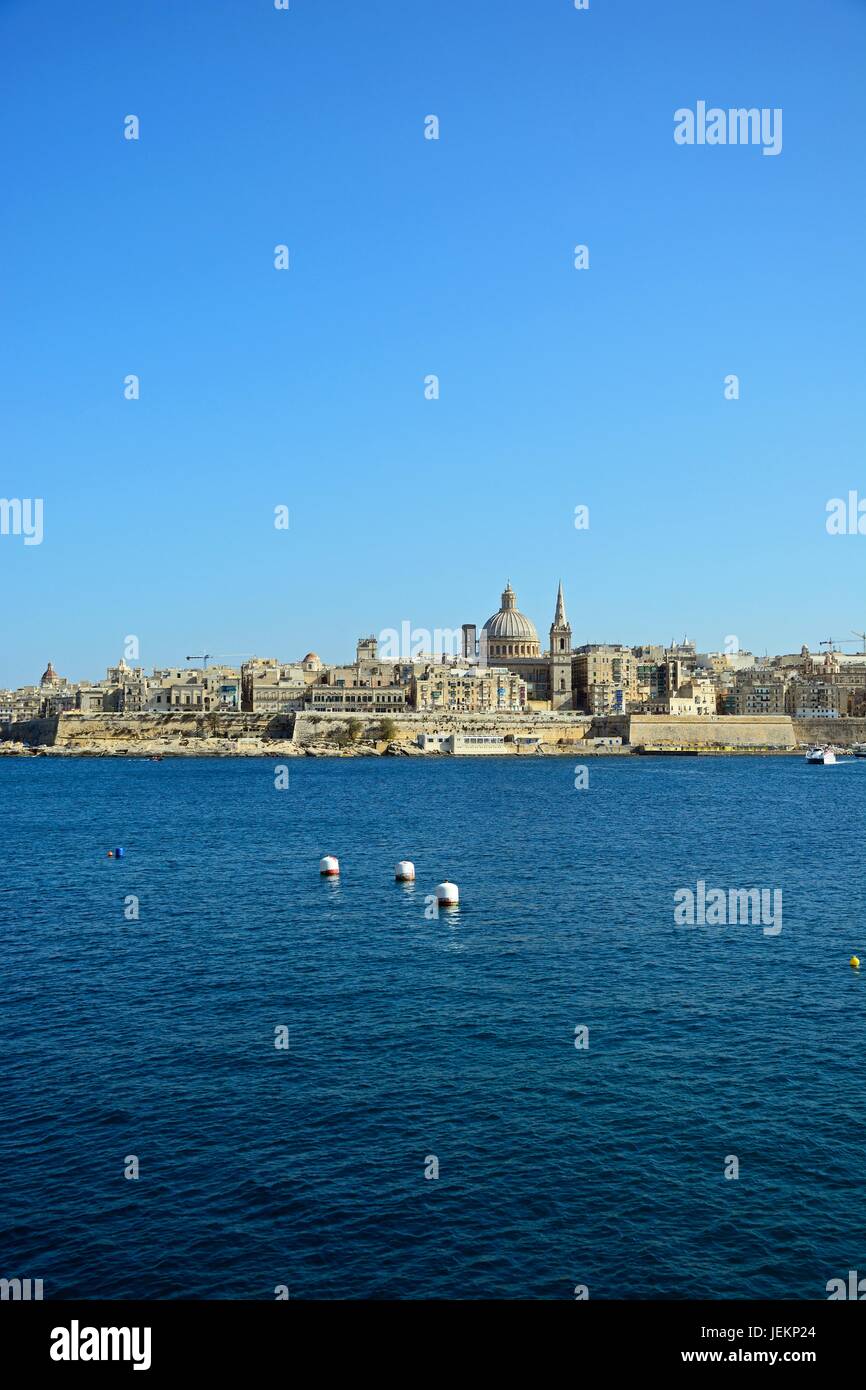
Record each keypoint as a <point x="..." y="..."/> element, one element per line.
<point x="413" y="1038"/>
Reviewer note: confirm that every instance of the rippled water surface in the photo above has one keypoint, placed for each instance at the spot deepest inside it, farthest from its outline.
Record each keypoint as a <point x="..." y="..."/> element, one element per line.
<point x="412" y="1038"/>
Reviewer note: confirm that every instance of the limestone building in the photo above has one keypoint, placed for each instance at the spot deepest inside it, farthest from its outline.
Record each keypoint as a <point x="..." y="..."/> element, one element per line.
<point x="474" y="689"/>
<point x="509" y="639"/>
<point x="605" y="678"/>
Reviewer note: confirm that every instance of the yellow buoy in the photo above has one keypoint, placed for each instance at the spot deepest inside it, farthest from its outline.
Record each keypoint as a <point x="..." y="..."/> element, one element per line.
<point x="855" y="962"/>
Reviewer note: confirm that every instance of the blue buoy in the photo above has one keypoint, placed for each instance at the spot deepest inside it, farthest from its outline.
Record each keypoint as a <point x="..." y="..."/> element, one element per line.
<point x="119" y="853"/>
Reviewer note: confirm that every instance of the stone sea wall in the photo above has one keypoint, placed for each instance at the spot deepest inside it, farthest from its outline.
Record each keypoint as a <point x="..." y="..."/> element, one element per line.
<point x="844" y="733"/>
<point x="31" y="732"/>
<point x="551" y="729"/>
<point x="145" y="734"/>
<point x="717" y="732"/>
<point x="321" y="734"/>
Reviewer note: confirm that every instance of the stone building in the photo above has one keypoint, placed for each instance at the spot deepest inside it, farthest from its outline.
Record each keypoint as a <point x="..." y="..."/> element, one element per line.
<point x="56" y="694"/>
<point x="814" y="699"/>
<point x="269" y="686"/>
<point x="93" y="699"/>
<point x="604" y="678"/>
<point x="471" y="689"/>
<point x="509" y="639"/>
<point x="347" y="699"/>
<point x="758" y="692"/>
<point x="28" y="703"/>
<point x="693" y="697"/>
<point x="184" y="688"/>
<point x="127" y="688"/>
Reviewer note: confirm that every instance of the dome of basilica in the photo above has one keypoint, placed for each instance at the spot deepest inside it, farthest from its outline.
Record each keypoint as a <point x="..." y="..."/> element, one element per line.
<point x="512" y="629"/>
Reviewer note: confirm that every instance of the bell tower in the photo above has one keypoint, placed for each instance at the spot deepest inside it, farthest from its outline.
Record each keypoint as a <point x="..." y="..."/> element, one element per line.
<point x="560" y="656"/>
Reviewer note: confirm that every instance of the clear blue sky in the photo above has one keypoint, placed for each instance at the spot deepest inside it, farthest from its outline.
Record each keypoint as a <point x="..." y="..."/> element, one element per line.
<point x="411" y="257"/>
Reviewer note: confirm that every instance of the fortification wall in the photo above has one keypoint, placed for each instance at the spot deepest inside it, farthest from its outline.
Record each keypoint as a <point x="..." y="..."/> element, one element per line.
<point x="841" y="732"/>
<point x="721" y="731"/>
<point x="95" y="731"/>
<point x="560" y="731"/>
<point x="34" y="732"/>
<point x="551" y="729"/>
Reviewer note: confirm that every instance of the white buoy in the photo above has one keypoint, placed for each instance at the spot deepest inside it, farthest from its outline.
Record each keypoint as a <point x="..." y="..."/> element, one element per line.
<point x="405" y="871"/>
<point x="329" y="867"/>
<point x="447" y="894"/>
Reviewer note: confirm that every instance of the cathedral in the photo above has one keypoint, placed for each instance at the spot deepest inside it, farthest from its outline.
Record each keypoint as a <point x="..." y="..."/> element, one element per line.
<point x="510" y="639"/>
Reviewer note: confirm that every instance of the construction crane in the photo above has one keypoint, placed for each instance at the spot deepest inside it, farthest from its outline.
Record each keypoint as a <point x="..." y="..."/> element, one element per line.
<point x="833" y="644"/>
<point x="862" y="636"/>
<point x="209" y="656"/>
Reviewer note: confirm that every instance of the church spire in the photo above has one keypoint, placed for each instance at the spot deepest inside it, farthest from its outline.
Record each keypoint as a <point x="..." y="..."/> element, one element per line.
<point x="560" y="620"/>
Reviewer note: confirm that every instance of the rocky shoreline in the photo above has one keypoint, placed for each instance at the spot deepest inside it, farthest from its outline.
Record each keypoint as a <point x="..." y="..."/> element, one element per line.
<point x="217" y="748"/>
<point x="150" y="751"/>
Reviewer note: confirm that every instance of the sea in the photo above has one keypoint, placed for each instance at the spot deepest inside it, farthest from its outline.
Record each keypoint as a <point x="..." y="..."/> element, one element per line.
<point x="224" y="1076"/>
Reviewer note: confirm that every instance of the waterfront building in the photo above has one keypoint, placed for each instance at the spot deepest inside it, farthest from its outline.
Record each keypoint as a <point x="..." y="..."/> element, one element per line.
<point x="757" y="694"/>
<point x="366" y="649"/>
<point x="56" y="694"/>
<point x="718" y="663"/>
<point x="655" y="681"/>
<point x="311" y="665"/>
<point x="276" y="697"/>
<point x="510" y="639"/>
<point x="50" y="679"/>
<point x="368" y="683"/>
<point x="810" y="699"/>
<point x="27" y="703"/>
<point x="560" y="656"/>
<point x="693" y="697"/>
<point x="269" y="686"/>
<point x="59" y="701"/>
<point x="92" y="699"/>
<point x="350" y="699"/>
<point x="604" y="678"/>
<point x="466" y="743"/>
<point x="186" y="694"/>
<point x="185" y="688"/>
<point x="126" y="688"/>
<point x="684" y="652"/>
<point x="469" y="689"/>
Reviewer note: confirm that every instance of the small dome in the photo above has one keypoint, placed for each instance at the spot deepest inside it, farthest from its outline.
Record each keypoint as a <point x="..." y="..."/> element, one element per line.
<point x="49" y="676"/>
<point x="311" y="657"/>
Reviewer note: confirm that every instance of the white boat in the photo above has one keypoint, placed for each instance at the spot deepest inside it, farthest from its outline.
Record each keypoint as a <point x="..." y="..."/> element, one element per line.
<point x="859" y="750"/>
<point x="824" y="755"/>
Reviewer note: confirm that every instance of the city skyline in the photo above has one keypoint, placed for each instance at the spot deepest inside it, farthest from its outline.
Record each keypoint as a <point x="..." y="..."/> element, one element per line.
<point x="406" y="641"/>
